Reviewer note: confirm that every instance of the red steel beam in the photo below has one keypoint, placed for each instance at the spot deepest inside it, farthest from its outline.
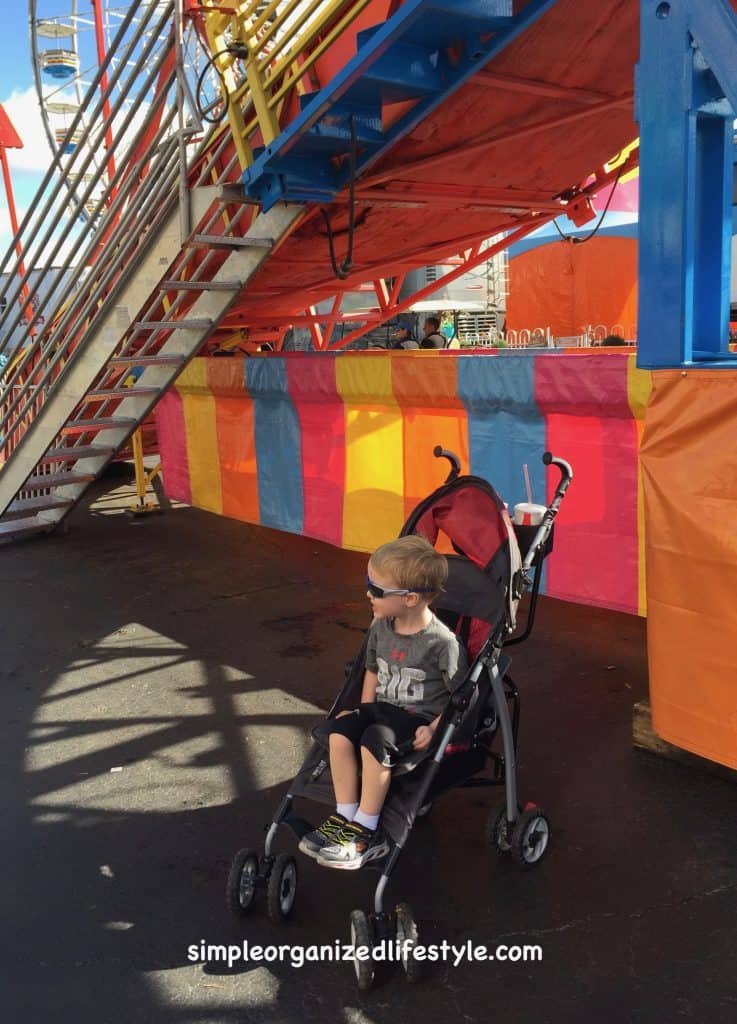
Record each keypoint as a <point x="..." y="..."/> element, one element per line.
<point x="335" y="312"/>
<point x="101" y="54"/>
<point x="453" y="197"/>
<point x="513" y="83"/>
<point x="382" y="292"/>
<point x="477" y="256"/>
<point x="312" y="317"/>
<point x="480" y="257"/>
<point x="8" y="182"/>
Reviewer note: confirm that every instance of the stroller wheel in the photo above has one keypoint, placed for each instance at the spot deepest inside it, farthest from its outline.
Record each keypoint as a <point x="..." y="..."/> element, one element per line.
<point x="407" y="937"/>
<point x="362" y="935"/>
<point x="530" y="837"/>
<point x="282" y="888"/>
<point x="240" y="890"/>
<point x="498" y="830"/>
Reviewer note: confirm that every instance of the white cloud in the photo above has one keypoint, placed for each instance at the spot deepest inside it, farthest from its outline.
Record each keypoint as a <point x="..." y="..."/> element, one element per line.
<point x="6" y="232"/>
<point x="23" y="110"/>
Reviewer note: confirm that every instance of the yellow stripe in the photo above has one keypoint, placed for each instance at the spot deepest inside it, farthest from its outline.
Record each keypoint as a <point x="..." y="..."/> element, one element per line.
<point x="639" y="386"/>
<point x="198" y="405"/>
<point x="373" y="508"/>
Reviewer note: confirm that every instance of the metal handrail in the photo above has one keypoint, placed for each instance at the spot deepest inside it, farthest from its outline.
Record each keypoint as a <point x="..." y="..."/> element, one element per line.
<point x="45" y="214"/>
<point x="93" y="239"/>
<point x="117" y="232"/>
<point x="128" y="212"/>
<point x="57" y="166"/>
<point x="330" y="21"/>
<point x="147" y="201"/>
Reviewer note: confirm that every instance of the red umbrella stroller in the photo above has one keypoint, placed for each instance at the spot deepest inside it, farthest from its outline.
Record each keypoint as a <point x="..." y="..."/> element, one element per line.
<point x="493" y="563"/>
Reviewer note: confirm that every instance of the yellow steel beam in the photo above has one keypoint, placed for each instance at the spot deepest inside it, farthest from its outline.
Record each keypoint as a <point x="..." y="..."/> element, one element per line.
<point x="324" y="44"/>
<point x="267" y="80"/>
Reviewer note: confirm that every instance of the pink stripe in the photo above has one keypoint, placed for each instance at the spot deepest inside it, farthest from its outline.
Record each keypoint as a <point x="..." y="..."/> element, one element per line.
<point x="589" y="423"/>
<point x="172" y="434"/>
<point x="312" y="387"/>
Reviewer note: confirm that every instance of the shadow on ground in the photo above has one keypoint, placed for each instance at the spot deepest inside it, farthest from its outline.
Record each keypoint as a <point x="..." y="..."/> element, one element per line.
<point x="158" y="682"/>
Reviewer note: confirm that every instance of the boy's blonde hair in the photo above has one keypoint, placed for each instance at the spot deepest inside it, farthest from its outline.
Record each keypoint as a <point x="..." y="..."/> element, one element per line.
<point x="413" y="564"/>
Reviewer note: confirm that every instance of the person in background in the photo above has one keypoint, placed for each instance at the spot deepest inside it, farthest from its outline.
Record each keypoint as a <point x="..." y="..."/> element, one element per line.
<point x="403" y="338"/>
<point x="433" y="338"/>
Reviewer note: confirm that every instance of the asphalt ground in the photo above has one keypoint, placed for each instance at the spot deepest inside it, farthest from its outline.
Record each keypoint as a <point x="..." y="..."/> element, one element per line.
<point x="158" y="682"/>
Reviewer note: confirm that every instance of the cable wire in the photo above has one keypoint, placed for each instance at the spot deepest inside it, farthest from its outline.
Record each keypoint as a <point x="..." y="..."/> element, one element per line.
<point x="587" y="238"/>
<point x="234" y="49"/>
<point x="342" y="270"/>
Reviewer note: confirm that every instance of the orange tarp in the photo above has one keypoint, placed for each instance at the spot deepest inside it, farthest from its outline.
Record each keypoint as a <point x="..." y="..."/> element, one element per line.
<point x="565" y="286"/>
<point x="690" y="491"/>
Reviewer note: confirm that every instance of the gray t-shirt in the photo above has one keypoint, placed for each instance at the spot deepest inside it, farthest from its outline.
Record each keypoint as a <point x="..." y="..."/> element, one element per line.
<point x="416" y="672"/>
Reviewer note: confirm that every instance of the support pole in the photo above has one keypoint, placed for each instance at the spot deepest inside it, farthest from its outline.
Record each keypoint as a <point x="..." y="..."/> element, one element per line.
<point x="7" y="180"/>
<point x="686" y="88"/>
<point x="101" y="53"/>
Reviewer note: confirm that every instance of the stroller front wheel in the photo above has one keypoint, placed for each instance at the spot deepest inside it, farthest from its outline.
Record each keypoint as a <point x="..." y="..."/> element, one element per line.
<point x="282" y="888"/>
<point x="530" y="837"/>
<point x="240" y="889"/>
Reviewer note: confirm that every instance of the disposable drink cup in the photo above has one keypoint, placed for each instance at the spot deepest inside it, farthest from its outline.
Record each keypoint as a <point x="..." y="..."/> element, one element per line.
<point x="527" y="514"/>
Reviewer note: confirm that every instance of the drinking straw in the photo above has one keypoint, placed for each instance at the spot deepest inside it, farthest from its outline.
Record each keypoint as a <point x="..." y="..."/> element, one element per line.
<point x="527" y="483"/>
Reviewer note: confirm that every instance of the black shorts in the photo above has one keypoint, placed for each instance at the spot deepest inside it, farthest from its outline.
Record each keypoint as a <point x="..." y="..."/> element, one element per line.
<point x="384" y="729"/>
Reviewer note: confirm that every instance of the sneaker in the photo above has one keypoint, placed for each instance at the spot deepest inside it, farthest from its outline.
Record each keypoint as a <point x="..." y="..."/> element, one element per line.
<point x="324" y="835"/>
<point x="355" y="847"/>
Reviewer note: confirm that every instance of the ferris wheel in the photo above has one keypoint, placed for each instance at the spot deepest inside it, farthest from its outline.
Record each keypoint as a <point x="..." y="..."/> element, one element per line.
<point x="79" y="47"/>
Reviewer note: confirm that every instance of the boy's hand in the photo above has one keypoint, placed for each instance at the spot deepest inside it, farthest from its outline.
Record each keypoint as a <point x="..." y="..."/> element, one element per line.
<point x="423" y="737"/>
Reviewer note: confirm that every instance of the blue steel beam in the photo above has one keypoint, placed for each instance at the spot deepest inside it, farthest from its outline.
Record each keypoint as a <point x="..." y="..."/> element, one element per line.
<point x="425" y="52"/>
<point x="686" y="98"/>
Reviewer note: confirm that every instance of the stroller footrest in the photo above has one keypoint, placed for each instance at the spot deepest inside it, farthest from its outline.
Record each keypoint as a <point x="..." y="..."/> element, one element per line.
<point x="300" y="826"/>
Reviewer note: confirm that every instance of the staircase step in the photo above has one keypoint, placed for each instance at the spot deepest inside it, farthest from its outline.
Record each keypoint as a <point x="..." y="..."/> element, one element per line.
<point x="203" y="286"/>
<point x="21" y="528"/>
<point x="173" y="360"/>
<point x="231" y="242"/>
<point x="20" y="509"/>
<point x="404" y="71"/>
<point x="101" y="423"/>
<point x="173" y="325"/>
<point x="81" y="451"/>
<point x="41" y="481"/>
<point x="100" y="394"/>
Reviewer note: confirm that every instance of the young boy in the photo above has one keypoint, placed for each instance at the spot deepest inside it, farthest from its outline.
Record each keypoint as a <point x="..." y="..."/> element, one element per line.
<point x="412" y="663"/>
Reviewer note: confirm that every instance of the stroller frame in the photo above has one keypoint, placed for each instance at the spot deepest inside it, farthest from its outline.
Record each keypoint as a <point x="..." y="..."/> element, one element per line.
<point x="508" y="827"/>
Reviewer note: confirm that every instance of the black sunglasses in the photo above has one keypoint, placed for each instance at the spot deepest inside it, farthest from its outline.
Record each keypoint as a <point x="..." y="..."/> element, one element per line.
<point x="376" y="591"/>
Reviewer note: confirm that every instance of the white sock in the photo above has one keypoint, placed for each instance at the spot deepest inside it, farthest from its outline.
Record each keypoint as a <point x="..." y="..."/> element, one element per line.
<point x="369" y="821"/>
<point x="347" y="810"/>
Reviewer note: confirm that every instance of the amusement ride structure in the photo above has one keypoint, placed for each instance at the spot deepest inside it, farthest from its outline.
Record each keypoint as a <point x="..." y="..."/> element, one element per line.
<point x="224" y="172"/>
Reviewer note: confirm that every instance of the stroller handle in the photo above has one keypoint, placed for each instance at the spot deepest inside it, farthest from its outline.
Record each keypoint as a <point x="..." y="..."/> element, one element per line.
<point x="442" y="453"/>
<point x="541" y="537"/>
<point x="566" y="472"/>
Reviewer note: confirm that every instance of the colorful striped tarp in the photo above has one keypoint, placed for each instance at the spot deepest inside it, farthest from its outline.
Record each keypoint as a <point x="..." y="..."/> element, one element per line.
<point x="339" y="447"/>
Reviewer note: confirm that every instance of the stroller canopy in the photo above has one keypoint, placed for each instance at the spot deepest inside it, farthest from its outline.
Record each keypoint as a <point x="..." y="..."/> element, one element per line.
<point x="466" y="520"/>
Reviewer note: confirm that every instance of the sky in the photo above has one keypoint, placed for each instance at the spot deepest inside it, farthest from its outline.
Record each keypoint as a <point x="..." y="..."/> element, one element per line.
<point x="18" y="96"/>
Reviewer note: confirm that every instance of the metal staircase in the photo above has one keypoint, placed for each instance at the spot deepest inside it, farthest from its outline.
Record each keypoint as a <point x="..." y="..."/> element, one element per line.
<point x="120" y="389"/>
<point x="418" y="57"/>
<point x="157" y="267"/>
